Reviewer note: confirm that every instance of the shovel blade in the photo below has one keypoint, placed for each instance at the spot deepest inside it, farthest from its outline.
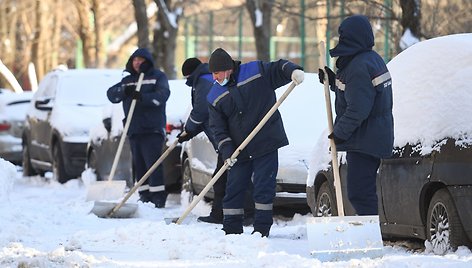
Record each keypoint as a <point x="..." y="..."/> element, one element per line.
<point x="103" y="209"/>
<point x="343" y="238"/>
<point x="106" y="190"/>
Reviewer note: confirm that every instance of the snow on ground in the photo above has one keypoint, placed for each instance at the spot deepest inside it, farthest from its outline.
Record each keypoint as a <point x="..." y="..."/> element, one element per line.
<point x="47" y="224"/>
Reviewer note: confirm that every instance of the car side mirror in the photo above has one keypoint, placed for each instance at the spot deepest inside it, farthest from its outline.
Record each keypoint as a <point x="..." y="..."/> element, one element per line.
<point x="43" y="105"/>
<point x="107" y="123"/>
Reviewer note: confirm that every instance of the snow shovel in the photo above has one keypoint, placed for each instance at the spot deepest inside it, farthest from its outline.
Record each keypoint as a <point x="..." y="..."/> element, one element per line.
<point x="342" y="237"/>
<point x="233" y="157"/>
<point x="122" y="210"/>
<point x="109" y="189"/>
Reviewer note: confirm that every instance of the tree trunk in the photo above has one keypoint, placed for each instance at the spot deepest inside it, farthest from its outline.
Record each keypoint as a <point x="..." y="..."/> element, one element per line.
<point x="142" y="23"/>
<point x="262" y="29"/>
<point x="411" y="16"/>
<point x="100" y="55"/>
<point x="56" y="33"/>
<point x="86" y="33"/>
<point x="165" y="37"/>
<point x="37" y="55"/>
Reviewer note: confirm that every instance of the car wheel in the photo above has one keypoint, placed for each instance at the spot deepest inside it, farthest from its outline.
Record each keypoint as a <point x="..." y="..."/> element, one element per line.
<point x="92" y="164"/>
<point x="27" y="168"/>
<point x="444" y="229"/>
<point x="187" y="179"/>
<point x="325" y="202"/>
<point x="58" y="169"/>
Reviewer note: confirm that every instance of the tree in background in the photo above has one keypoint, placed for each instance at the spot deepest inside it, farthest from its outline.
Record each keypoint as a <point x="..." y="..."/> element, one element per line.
<point x="260" y="12"/>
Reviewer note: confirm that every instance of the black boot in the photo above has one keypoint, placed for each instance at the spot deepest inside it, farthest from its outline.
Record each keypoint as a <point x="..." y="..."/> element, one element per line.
<point x="145" y="196"/>
<point x="210" y="219"/>
<point x="159" y="199"/>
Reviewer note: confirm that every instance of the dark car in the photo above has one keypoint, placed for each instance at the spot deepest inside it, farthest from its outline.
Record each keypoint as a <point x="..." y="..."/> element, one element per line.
<point x="13" y="108"/>
<point x="425" y="188"/>
<point x="65" y="106"/>
<point x="104" y="140"/>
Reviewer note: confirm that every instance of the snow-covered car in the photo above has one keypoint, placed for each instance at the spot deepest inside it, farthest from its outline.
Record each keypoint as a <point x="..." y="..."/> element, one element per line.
<point x="65" y="106"/>
<point x="105" y="138"/>
<point x="425" y="188"/>
<point x="12" y="118"/>
<point x="305" y="101"/>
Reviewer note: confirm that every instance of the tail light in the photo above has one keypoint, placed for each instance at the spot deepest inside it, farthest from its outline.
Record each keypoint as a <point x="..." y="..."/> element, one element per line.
<point x="4" y="126"/>
<point x="170" y="127"/>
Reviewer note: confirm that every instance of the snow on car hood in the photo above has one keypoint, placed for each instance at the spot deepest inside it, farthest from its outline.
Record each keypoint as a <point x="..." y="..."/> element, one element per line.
<point x="73" y="121"/>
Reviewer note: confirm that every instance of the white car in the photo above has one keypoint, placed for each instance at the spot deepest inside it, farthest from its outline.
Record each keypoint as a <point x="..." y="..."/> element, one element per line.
<point x="304" y="118"/>
<point x="13" y="108"/>
<point x="105" y="137"/>
<point x="65" y="106"/>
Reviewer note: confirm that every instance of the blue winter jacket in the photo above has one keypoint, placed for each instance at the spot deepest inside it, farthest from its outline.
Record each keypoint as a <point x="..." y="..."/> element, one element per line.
<point x="363" y="89"/>
<point x="201" y="80"/>
<point x="149" y="115"/>
<point x="239" y="106"/>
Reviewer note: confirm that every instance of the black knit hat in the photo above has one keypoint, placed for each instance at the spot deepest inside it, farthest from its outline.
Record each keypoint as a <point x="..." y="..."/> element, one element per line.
<point x="190" y="65"/>
<point x="220" y="60"/>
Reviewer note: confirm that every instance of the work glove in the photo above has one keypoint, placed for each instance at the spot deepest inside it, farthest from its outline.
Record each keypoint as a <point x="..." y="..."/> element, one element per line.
<point x="184" y="136"/>
<point x="336" y="139"/>
<point x="231" y="162"/>
<point x="129" y="89"/>
<point x="298" y="76"/>
<point x="331" y="76"/>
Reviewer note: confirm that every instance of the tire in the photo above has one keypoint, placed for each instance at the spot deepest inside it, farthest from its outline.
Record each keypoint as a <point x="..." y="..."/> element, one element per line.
<point x="28" y="170"/>
<point x="325" y="202"/>
<point x="187" y="184"/>
<point x="443" y="228"/>
<point x="58" y="169"/>
<point x="92" y="164"/>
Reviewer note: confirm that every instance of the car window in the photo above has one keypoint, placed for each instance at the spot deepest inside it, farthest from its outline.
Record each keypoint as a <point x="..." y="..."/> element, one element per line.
<point x="47" y="87"/>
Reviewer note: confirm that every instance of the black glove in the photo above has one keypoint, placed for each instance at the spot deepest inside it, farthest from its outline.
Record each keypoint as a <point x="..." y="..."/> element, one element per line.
<point x="184" y="136"/>
<point x="129" y="89"/>
<point x="336" y="139"/>
<point x="331" y="76"/>
<point x="136" y="95"/>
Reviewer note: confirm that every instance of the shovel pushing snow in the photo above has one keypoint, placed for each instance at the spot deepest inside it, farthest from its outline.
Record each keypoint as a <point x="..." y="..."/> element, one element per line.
<point x="342" y="237"/>
<point x="120" y="209"/>
<point x="233" y="157"/>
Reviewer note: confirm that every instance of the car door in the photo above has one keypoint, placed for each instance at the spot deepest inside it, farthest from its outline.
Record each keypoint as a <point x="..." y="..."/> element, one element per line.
<point x="401" y="179"/>
<point x="39" y="121"/>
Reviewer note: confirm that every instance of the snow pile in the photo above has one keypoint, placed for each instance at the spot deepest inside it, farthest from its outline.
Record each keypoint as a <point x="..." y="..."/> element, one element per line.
<point x="7" y="178"/>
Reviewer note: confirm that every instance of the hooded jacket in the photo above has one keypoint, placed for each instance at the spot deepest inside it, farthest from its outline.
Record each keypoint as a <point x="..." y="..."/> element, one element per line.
<point x="149" y="115"/>
<point x="364" y="119"/>
<point x="201" y="80"/>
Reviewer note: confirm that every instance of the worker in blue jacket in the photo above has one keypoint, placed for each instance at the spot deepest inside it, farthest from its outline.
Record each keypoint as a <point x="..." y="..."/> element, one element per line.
<point x="201" y="80"/>
<point x="146" y="132"/>
<point x="240" y="98"/>
<point x="364" y="120"/>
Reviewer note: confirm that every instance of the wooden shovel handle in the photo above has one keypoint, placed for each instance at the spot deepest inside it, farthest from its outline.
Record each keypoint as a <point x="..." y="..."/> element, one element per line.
<point x="329" y="113"/>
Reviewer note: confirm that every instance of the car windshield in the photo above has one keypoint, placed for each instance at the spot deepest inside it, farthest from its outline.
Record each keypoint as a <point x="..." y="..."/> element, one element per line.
<point x="86" y="89"/>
